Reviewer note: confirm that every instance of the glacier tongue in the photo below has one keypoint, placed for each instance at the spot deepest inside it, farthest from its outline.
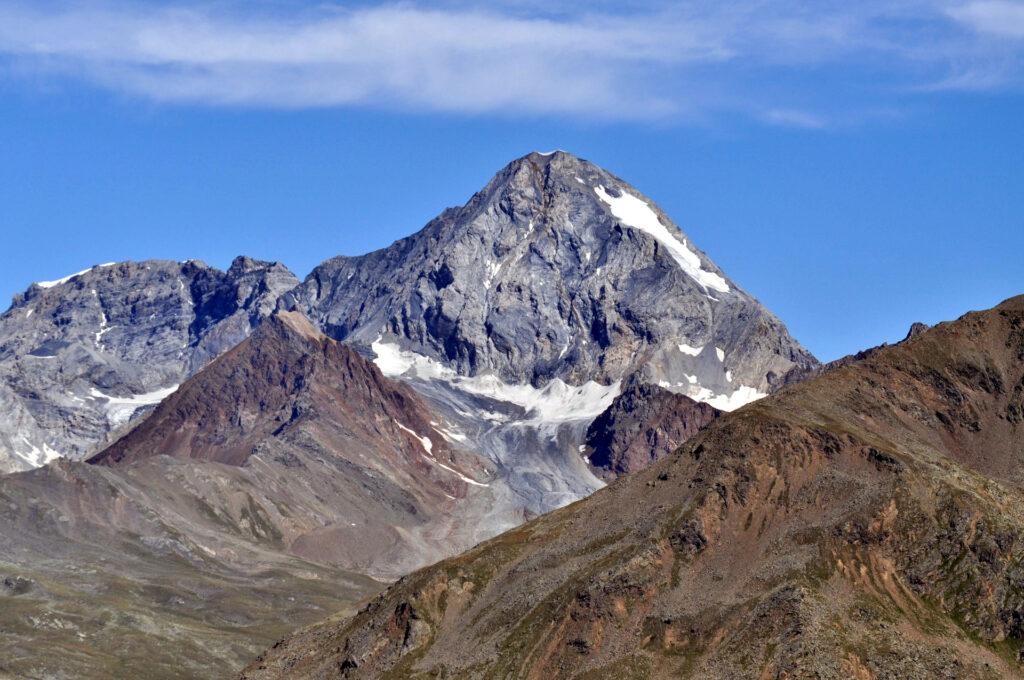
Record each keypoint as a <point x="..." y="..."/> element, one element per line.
<point x="555" y="402"/>
<point x="120" y="409"/>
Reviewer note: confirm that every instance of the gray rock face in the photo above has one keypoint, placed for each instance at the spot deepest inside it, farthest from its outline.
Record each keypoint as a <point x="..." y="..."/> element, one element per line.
<point x="82" y="357"/>
<point x="558" y="269"/>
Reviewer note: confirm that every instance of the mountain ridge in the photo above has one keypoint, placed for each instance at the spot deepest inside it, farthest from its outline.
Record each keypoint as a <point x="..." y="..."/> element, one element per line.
<point x="83" y="356"/>
<point x="863" y="523"/>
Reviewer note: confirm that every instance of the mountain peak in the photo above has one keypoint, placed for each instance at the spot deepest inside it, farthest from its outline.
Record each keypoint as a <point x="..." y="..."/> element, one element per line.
<point x="87" y="353"/>
<point x="550" y="168"/>
<point x="558" y="269"/>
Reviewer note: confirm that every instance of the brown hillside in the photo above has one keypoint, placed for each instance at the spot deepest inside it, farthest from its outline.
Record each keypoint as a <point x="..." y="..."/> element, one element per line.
<point x="868" y="523"/>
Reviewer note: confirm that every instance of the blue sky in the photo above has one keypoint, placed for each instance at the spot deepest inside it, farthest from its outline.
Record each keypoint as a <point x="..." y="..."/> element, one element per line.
<point x="855" y="168"/>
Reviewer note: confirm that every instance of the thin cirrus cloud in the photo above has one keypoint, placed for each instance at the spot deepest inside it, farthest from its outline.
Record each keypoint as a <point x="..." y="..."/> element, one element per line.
<point x="688" y="59"/>
<point x="995" y="17"/>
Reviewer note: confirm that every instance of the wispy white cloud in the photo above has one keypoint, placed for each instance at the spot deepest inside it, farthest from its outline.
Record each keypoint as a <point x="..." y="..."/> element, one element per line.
<point x="610" y="61"/>
<point x="996" y="17"/>
<point x="794" y="118"/>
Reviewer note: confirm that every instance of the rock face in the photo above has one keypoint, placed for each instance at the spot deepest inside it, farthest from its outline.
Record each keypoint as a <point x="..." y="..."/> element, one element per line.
<point x="80" y="358"/>
<point x="865" y="523"/>
<point x="644" y="424"/>
<point x="557" y="270"/>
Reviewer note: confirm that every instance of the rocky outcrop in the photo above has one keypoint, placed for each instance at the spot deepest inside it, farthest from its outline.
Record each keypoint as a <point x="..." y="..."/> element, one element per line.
<point x="865" y="523"/>
<point x="644" y="424"/>
<point x="81" y="358"/>
<point x="557" y="269"/>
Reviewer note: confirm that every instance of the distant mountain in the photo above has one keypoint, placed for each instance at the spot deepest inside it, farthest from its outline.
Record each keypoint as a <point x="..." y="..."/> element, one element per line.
<point x="556" y="275"/>
<point x="865" y="523"/>
<point x="557" y="270"/>
<point x="80" y="358"/>
<point x="520" y="316"/>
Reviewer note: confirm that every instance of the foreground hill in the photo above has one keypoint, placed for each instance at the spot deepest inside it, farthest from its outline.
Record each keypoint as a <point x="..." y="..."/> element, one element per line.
<point x="867" y="523"/>
<point x="366" y="481"/>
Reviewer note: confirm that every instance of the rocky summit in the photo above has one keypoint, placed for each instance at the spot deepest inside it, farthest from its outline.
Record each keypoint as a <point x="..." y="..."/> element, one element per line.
<point x="82" y="357"/>
<point x="864" y="523"/>
<point x="557" y="269"/>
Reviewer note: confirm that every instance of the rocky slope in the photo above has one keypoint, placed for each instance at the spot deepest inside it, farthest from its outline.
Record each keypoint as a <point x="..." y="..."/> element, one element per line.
<point x="865" y="523"/>
<point x="557" y="270"/>
<point x="644" y="424"/>
<point x="289" y="395"/>
<point x="82" y="357"/>
<point x="164" y="569"/>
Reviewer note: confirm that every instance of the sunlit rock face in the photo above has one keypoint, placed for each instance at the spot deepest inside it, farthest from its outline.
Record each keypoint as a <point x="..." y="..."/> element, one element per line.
<point x="557" y="270"/>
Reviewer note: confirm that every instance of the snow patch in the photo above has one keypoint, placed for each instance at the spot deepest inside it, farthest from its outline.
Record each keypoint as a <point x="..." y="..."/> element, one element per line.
<point x="425" y="442"/>
<point x="100" y="333"/>
<point x="636" y="213"/>
<point x="555" y="402"/>
<point x="104" y="327"/>
<point x="449" y="433"/>
<point x="51" y="284"/>
<point x="690" y="349"/>
<point x="741" y="396"/>
<point x="394" y="361"/>
<point x="720" y="353"/>
<point x="461" y="476"/>
<point x="492" y="271"/>
<point x="34" y="455"/>
<point x="119" y="410"/>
